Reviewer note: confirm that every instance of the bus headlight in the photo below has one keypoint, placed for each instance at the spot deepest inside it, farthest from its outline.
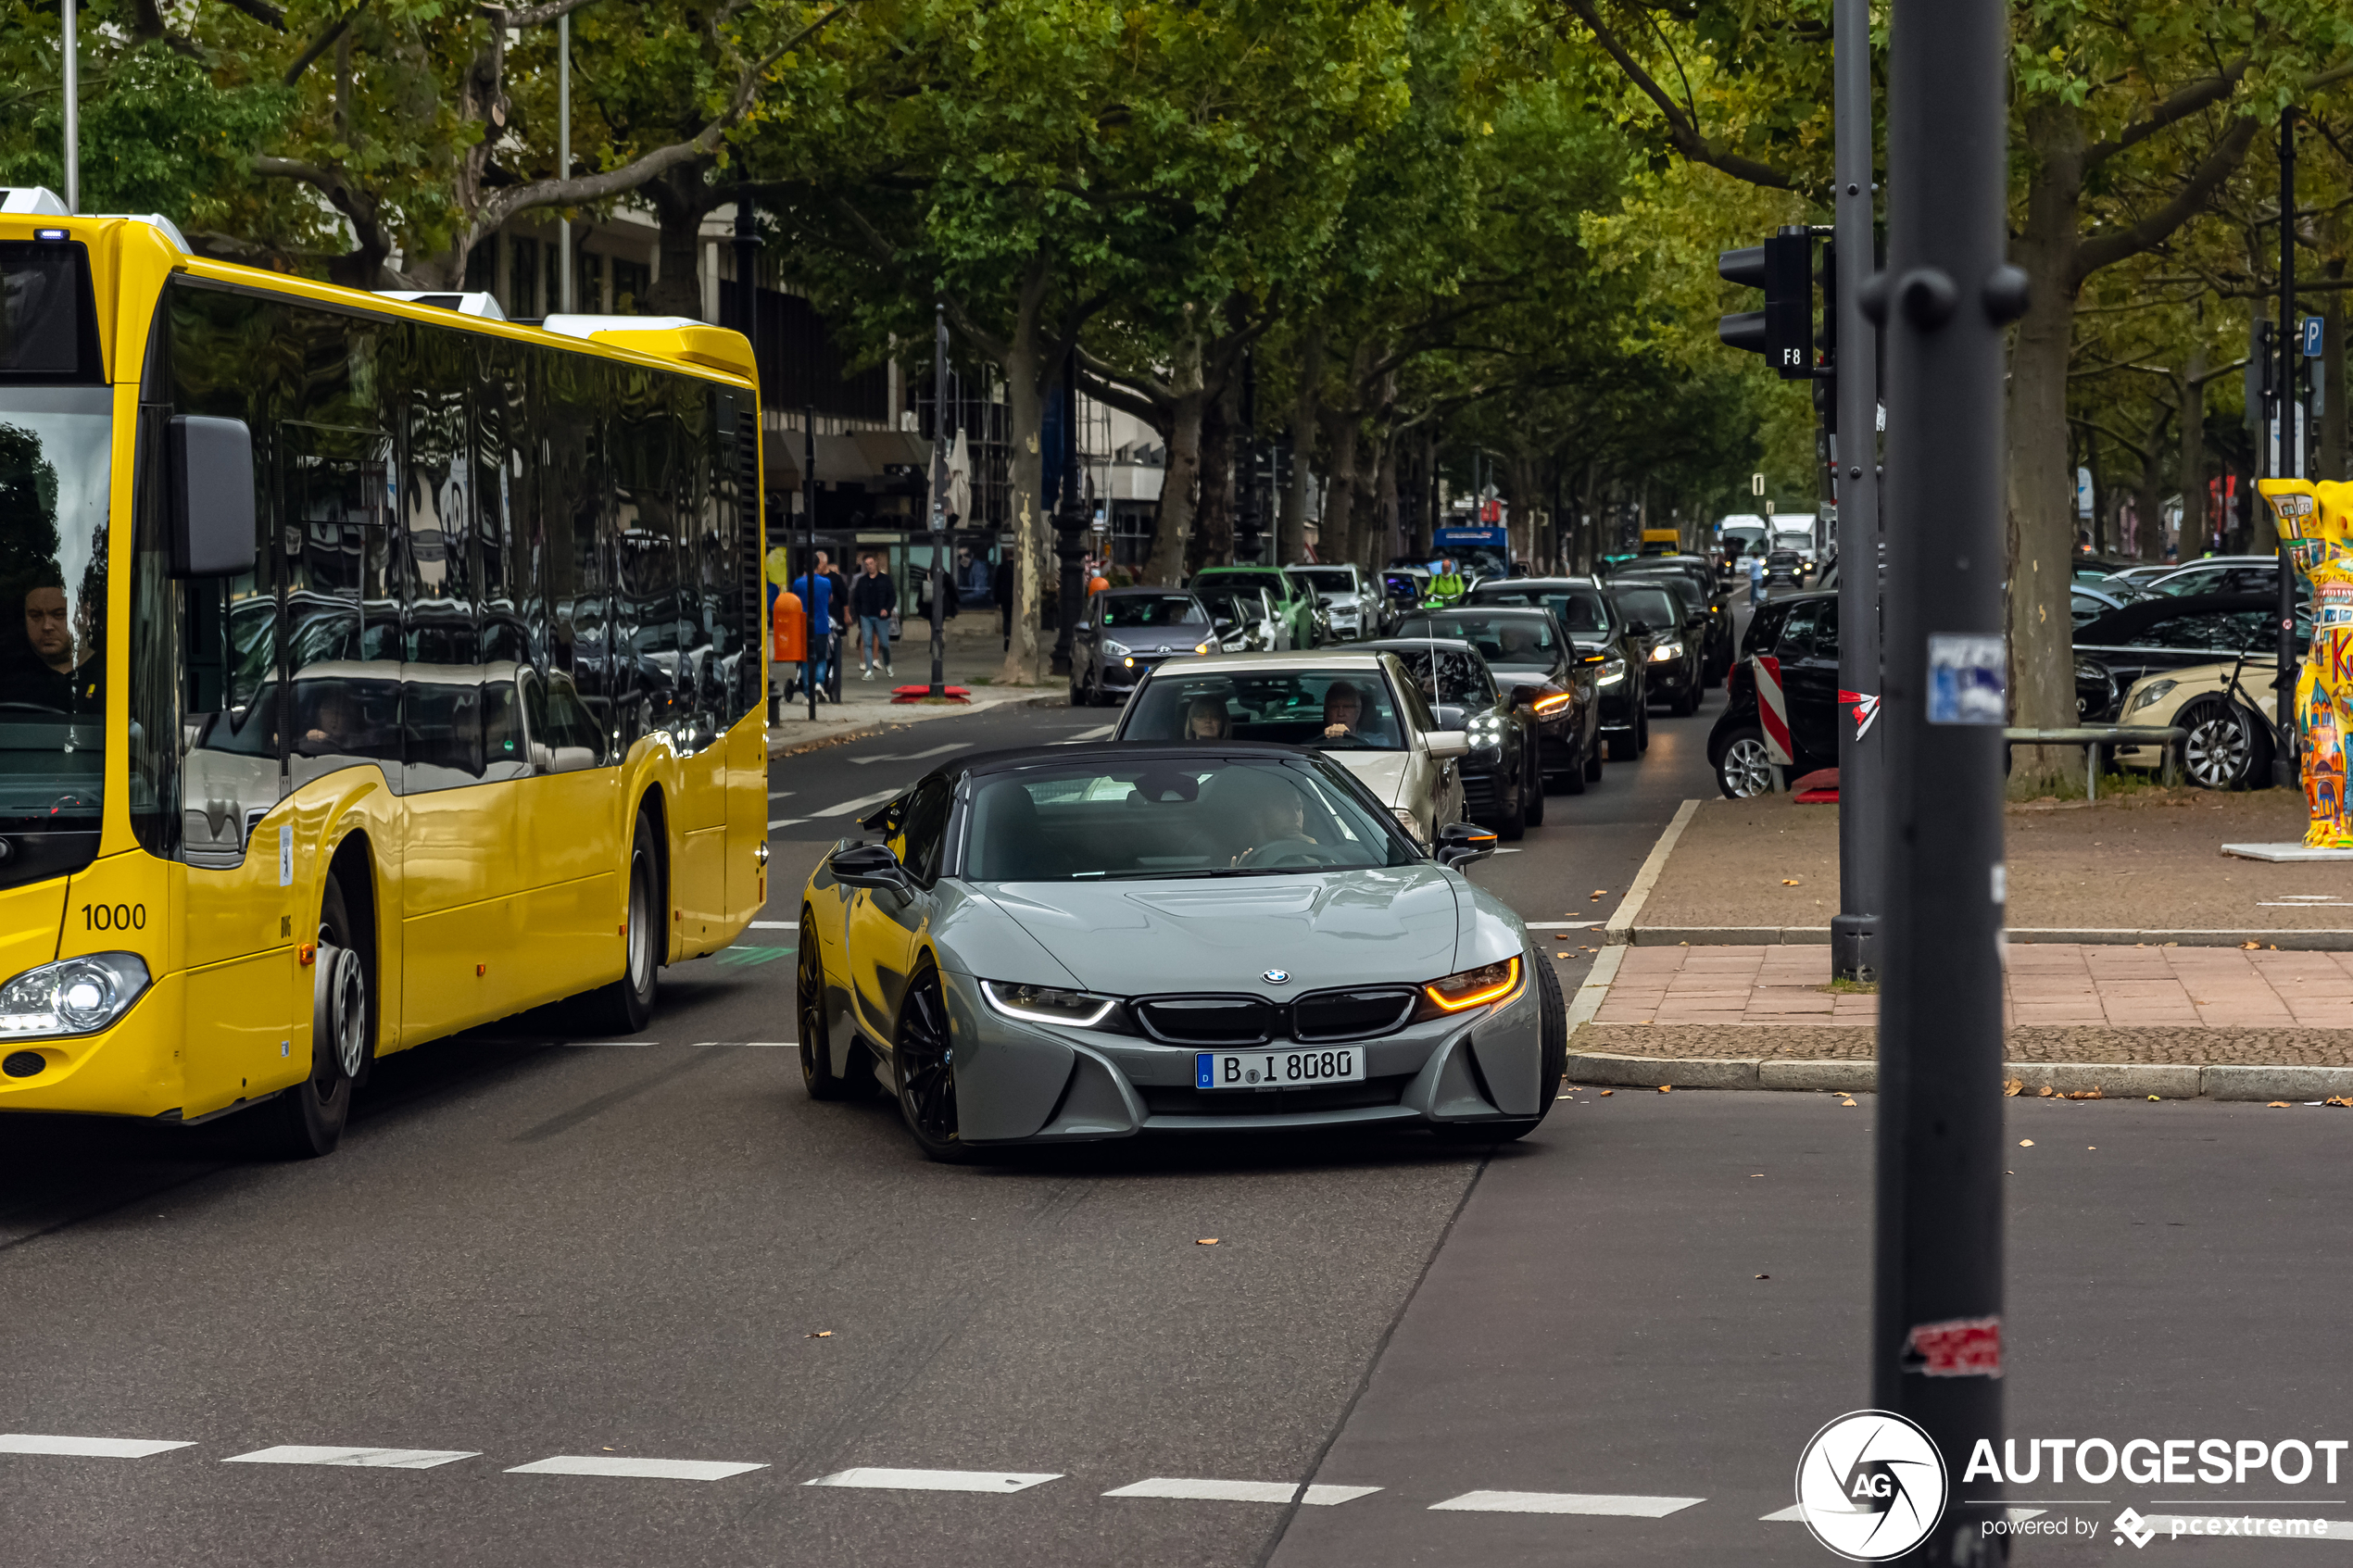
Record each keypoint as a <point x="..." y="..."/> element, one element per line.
<point x="73" y="996"/>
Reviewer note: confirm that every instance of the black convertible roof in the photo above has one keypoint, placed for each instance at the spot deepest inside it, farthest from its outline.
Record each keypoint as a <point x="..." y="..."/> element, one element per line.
<point x="2121" y="626"/>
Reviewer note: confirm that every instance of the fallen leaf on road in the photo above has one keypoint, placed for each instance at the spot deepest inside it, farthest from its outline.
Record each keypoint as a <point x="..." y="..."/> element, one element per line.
<point x="1764" y="1276"/>
<point x="2046" y="1092"/>
<point x="2026" y="1143"/>
<point x="1667" y="1088"/>
<point x="2093" y="1147"/>
<point x="2250" y="947"/>
<point x="2338" y="1099"/>
<point x="2279" y="1105"/>
<point x="821" y="1333"/>
<point x="2092" y="1093"/>
<point x="1846" y="1104"/>
<point x="1753" y="1174"/>
<point x="1789" y="881"/>
<point x="1609" y="1091"/>
<point x="2153" y="1097"/>
<point x="2013" y="1087"/>
<point x="1206" y="1241"/>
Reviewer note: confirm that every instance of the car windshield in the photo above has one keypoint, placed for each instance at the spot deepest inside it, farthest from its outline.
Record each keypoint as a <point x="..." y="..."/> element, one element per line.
<point x="1579" y="609"/>
<point x="53" y="472"/>
<point x="1683" y="587"/>
<point x="1326" y="579"/>
<point x="1239" y="577"/>
<point x="1461" y="682"/>
<point x="1176" y="818"/>
<point x="1335" y="710"/>
<point x="1502" y="636"/>
<point x="1231" y="603"/>
<point x="1650" y="606"/>
<point x="1153" y="609"/>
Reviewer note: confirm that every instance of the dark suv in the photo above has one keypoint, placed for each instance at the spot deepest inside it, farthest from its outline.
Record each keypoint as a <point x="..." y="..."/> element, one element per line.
<point x="1693" y="580"/>
<point x="1584" y="612"/>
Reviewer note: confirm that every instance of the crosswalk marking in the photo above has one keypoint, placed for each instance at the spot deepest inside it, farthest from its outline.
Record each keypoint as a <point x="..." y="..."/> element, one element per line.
<point x="642" y="1469"/>
<point x="1564" y="1502"/>
<point x="85" y="1448"/>
<point x="364" y="1459"/>
<point x="787" y="822"/>
<point x="912" y="756"/>
<point x="936" y="1480"/>
<point x="858" y="804"/>
<point x="748" y="1044"/>
<point x="1239" y="1492"/>
<point x="773" y="924"/>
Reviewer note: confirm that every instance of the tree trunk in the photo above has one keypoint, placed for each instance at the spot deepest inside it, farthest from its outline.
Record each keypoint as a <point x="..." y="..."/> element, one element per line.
<point x="1291" y="527"/>
<point x="1212" y="541"/>
<point x="1386" y="542"/>
<point x="1025" y="372"/>
<point x="2041" y="527"/>
<point x="2334" y="423"/>
<point x="2189" y="393"/>
<point x="1341" y="439"/>
<point x="680" y="199"/>
<point x="1180" y="483"/>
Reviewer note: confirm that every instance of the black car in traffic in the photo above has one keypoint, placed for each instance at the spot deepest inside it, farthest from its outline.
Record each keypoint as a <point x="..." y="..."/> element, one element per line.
<point x="1559" y="682"/>
<point x="1582" y="610"/>
<point x="1673" y="641"/>
<point x="1502" y="777"/>
<point x="1693" y="580"/>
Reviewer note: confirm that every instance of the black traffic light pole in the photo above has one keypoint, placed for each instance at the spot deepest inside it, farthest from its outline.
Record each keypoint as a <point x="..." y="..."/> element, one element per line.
<point x="1862" y="768"/>
<point x="2286" y="768"/>
<point x="1942" y="301"/>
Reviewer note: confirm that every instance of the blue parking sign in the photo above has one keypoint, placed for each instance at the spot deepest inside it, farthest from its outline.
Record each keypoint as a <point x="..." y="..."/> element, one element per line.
<point x="2310" y="336"/>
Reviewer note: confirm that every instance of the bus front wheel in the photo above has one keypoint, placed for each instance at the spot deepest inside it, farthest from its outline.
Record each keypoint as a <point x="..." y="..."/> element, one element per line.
<point x="627" y="1005"/>
<point x="308" y="1119"/>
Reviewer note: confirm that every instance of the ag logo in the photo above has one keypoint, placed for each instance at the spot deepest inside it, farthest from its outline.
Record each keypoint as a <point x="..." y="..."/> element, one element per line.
<point x="1870" y="1485"/>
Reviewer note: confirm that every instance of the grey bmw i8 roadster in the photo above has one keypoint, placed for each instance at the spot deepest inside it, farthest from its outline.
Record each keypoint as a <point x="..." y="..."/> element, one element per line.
<point x="1067" y="943"/>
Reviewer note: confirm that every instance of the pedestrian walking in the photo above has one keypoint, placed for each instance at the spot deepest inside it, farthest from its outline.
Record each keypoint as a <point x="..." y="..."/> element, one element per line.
<point x="1756" y="580"/>
<point x="815" y="590"/>
<point x="874" y="599"/>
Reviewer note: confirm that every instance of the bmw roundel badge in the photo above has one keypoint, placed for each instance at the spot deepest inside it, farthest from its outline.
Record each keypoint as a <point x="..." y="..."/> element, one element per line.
<point x="1276" y="976"/>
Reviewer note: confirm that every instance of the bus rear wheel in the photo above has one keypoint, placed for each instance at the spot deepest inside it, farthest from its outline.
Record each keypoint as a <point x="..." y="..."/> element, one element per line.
<point x="307" y="1120"/>
<point x="627" y="1005"/>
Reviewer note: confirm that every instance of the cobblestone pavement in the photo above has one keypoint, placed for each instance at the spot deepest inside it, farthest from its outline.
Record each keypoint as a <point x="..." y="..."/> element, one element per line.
<point x="1842" y="1041"/>
<point x="2054" y="985"/>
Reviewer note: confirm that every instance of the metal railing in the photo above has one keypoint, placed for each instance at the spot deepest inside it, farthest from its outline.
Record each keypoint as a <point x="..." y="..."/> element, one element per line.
<point x="2092" y="737"/>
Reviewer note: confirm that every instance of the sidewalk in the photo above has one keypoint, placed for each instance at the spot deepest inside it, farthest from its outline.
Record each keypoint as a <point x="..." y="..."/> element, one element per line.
<point x="974" y="657"/>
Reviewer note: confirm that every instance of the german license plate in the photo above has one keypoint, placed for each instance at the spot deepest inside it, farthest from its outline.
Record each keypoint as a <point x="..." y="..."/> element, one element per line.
<point x="1277" y="1069"/>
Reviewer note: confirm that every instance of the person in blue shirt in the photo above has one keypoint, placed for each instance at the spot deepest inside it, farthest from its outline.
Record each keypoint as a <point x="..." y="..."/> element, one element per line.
<point x="820" y="612"/>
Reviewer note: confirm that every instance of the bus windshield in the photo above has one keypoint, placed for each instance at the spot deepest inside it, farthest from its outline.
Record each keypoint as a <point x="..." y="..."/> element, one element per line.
<point x="53" y="471"/>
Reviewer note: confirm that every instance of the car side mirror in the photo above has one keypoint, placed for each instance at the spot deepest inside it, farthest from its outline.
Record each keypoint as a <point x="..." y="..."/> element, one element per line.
<point x="211" y="487"/>
<point x="1448" y="742"/>
<point x="1461" y="843"/>
<point x="1514" y="699"/>
<point x="869" y="865"/>
<point x="1323" y="600"/>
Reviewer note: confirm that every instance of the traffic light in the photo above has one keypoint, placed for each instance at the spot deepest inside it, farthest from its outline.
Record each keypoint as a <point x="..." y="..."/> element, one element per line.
<point x="1784" y="331"/>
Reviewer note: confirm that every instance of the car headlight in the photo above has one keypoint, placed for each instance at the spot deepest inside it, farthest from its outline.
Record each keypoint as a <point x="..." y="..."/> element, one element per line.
<point x="1047" y="1004"/>
<point x="1666" y="653"/>
<point x="2151" y="695"/>
<point x="1552" y="703"/>
<point x="1405" y="820"/>
<point x="73" y="996"/>
<point x="1486" y="985"/>
<point x="1613" y="671"/>
<point x="1204" y="647"/>
<point x="1117" y="650"/>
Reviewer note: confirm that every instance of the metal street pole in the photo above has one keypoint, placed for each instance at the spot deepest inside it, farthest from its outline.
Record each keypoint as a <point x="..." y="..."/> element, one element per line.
<point x="1862" y="769"/>
<point x="1247" y="541"/>
<point x="2286" y="769"/>
<point x="73" y="110"/>
<point x="563" y="157"/>
<point x="940" y="436"/>
<point x="809" y="561"/>
<point x="1944" y="300"/>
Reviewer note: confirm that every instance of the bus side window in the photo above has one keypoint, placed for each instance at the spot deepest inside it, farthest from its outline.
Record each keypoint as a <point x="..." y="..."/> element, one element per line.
<point x="441" y="681"/>
<point x="576" y="563"/>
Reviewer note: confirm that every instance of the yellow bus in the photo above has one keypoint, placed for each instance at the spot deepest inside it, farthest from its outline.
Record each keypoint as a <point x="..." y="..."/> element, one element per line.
<point x="369" y="670"/>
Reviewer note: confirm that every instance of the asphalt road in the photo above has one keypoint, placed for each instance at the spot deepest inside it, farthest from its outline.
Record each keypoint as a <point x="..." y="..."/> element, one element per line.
<point x="658" y="1256"/>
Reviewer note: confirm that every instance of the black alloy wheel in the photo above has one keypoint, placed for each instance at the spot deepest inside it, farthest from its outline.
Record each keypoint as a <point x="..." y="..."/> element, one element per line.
<point x="307" y="1120"/>
<point x="924" y="1068"/>
<point x="817" y="1074"/>
<point x="1591" y="771"/>
<point x="1511" y="812"/>
<point x="2225" y="748"/>
<point x="1532" y="789"/>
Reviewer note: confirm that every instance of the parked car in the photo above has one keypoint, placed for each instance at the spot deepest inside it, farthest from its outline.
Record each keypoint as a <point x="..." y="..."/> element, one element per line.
<point x="2218" y="574"/>
<point x="1785" y="568"/>
<point x="1558" y="682"/>
<point x="1404" y="587"/>
<point x="1126" y="631"/>
<point x="1354" y="608"/>
<point x="2229" y="708"/>
<point x="2162" y="634"/>
<point x="1502" y="776"/>
<point x="1293" y="600"/>
<point x="1244" y="619"/>
<point x="2086" y="603"/>
<point x="1583" y="611"/>
<point x="1674" y="642"/>
<point x="1693" y="580"/>
<point x="1362" y="708"/>
<point x="2135" y="579"/>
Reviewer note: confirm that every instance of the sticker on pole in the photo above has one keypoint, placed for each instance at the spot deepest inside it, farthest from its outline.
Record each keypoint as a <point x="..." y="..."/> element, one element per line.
<point x="1870" y="1485"/>
<point x="1967" y="679"/>
<point x="1772" y="709"/>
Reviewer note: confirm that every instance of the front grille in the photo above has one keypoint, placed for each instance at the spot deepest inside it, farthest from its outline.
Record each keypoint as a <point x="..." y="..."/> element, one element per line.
<point x="1170" y="1100"/>
<point x="1478" y="792"/>
<point x="1330" y="1016"/>
<point x="1209" y="1021"/>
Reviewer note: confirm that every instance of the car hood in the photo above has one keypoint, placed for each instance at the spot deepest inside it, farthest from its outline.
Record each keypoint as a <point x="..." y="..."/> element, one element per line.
<point x="1383" y="773"/>
<point x="1330" y="928"/>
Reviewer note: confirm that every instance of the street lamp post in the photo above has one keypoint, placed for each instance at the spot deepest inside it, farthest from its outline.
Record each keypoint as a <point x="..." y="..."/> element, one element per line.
<point x="1944" y="300"/>
<point x="1862" y="800"/>
<point x="940" y="436"/>
<point x="2287" y="770"/>
<point x="1070" y="521"/>
<point x="808" y="560"/>
<point x="1249" y="527"/>
<point x="563" y="159"/>
<point x="73" y="109"/>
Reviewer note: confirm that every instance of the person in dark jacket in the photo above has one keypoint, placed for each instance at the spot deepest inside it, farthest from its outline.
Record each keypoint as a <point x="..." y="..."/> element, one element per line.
<point x="874" y="599"/>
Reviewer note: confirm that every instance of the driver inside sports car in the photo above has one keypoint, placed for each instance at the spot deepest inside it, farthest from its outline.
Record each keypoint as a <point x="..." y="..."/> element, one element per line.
<point x="1261" y="817"/>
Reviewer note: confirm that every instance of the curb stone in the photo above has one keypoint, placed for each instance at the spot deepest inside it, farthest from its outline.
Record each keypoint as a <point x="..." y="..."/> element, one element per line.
<point x="2094" y="936"/>
<point x="2115" y="1079"/>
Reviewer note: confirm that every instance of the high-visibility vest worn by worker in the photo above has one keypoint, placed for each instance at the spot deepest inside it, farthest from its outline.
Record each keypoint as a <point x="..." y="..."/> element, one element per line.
<point x="788" y="630"/>
<point x="1447" y="586"/>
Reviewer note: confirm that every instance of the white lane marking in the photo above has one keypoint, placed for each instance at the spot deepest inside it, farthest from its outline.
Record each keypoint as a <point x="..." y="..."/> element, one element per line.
<point x="913" y="755"/>
<point x="780" y="795"/>
<point x="1564" y="1502"/>
<point x="1622" y="920"/>
<point x="773" y="925"/>
<point x="936" y="1480"/>
<point x="1559" y="924"/>
<point x="608" y="1045"/>
<point x="1239" y="1492"/>
<point x="1094" y="735"/>
<point x="860" y="804"/>
<point x="787" y="823"/>
<point x="1792" y="1514"/>
<point x="85" y="1448"/>
<point x="642" y="1469"/>
<point x="365" y="1459"/>
<point x="1507" y="851"/>
<point x="748" y="1044"/>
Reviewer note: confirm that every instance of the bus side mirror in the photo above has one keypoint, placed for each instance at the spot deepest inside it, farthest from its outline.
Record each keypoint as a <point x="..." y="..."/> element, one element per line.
<point x="211" y="484"/>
